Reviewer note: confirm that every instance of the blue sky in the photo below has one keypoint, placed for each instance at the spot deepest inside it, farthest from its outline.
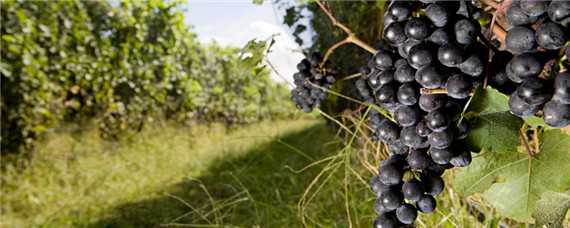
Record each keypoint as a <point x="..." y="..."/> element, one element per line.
<point x="234" y="22"/>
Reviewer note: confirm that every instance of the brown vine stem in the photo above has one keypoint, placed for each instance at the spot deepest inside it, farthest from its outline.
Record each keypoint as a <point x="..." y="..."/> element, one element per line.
<point x="351" y="37"/>
<point x="439" y="91"/>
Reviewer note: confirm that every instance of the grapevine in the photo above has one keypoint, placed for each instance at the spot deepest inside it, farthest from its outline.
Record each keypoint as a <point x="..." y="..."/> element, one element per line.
<point x="433" y="59"/>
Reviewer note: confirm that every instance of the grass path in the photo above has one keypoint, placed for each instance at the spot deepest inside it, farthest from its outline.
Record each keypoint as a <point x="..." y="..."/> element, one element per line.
<point x="77" y="179"/>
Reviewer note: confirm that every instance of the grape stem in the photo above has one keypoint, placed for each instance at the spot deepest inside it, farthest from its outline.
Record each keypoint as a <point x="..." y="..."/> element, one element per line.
<point x="440" y="91"/>
<point x="351" y="37"/>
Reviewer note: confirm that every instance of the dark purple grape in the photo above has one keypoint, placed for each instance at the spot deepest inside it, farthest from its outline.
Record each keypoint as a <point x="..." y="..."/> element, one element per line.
<point x="518" y="107"/>
<point x="562" y="88"/>
<point x="378" y="207"/>
<point x="400" y="10"/>
<point x="397" y="147"/>
<point x="386" y="94"/>
<point x="407" y="115"/>
<point x="383" y="60"/>
<point x="466" y="31"/>
<point x="533" y="91"/>
<point x="426" y="204"/>
<point x="442" y="139"/>
<point x="441" y="156"/>
<point x="420" y="56"/>
<point x="413" y="190"/>
<point x="472" y="66"/>
<point x="390" y="174"/>
<point x="406" y="214"/>
<point x="385" y="77"/>
<point x="408" y="94"/>
<point x="462" y="160"/>
<point x="516" y="16"/>
<point x="450" y="55"/>
<point x="437" y="120"/>
<point x="388" y="131"/>
<point x="533" y="8"/>
<point x="417" y="29"/>
<point x="525" y="65"/>
<point x="458" y="86"/>
<point x="405" y="48"/>
<point x="418" y="159"/>
<point x="405" y="73"/>
<point x="556" y="114"/>
<point x="433" y="184"/>
<point x="395" y="34"/>
<point x="440" y="37"/>
<point x="437" y="14"/>
<point x="559" y="11"/>
<point x="551" y="36"/>
<point x="392" y="199"/>
<point x="422" y="129"/>
<point x="429" y="77"/>
<point x="377" y="186"/>
<point x="410" y="138"/>
<point x="430" y="102"/>
<point x="520" y="39"/>
<point x="385" y="221"/>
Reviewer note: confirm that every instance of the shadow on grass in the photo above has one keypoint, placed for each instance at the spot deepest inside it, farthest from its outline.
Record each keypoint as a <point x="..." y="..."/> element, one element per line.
<point x="258" y="188"/>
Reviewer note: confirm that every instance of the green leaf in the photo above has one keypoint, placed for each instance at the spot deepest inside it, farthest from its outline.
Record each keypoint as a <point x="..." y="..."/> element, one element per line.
<point x="487" y="101"/>
<point x="496" y="132"/>
<point x="551" y="209"/>
<point x="512" y="182"/>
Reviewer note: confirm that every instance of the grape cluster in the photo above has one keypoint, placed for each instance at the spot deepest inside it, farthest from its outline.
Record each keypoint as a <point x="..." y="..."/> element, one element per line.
<point x="538" y="31"/>
<point x="309" y="82"/>
<point x="438" y="49"/>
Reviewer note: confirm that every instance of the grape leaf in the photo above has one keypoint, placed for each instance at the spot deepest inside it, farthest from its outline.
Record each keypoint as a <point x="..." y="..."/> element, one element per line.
<point x="487" y="101"/>
<point x="496" y="132"/>
<point x="512" y="182"/>
<point x="551" y="209"/>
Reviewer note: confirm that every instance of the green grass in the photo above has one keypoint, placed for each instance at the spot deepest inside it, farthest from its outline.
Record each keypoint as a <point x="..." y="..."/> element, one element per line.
<point x="272" y="174"/>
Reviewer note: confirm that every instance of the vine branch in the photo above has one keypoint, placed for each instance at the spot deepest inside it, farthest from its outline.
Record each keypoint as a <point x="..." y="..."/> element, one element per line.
<point x="351" y="37"/>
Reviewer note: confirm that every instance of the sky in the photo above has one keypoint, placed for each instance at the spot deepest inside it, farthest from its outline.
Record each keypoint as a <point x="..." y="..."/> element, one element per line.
<point x="235" y="22"/>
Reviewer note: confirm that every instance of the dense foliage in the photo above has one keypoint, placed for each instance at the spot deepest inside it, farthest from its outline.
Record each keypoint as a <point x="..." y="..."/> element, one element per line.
<point x="417" y="91"/>
<point x="121" y="64"/>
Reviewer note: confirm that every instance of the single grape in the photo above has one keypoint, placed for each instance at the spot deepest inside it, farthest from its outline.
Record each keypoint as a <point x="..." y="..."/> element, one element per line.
<point x="413" y="190"/>
<point x="440" y="37"/>
<point x="433" y="184"/>
<point x="405" y="48"/>
<point x="520" y="39"/>
<point x="525" y="65"/>
<point x="429" y="77"/>
<point x="408" y="94"/>
<point x="377" y="186"/>
<point x="397" y="147"/>
<point x="551" y="36"/>
<point x="516" y="16"/>
<point x="472" y="66"/>
<point x="518" y="107"/>
<point x="410" y="138"/>
<point x="462" y="160"/>
<point x="442" y="139"/>
<point x="441" y="156"/>
<point x="418" y="160"/>
<point x="562" y="88"/>
<point x="385" y="77"/>
<point x="390" y="174"/>
<point x="430" y="102"/>
<point x="533" y="8"/>
<point x="466" y="31"/>
<point x="388" y="131"/>
<point x="422" y="129"/>
<point x="437" y="14"/>
<point x="458" y="86"/>
<point x="392" y="199"/>
<point x="559" y="11"/>
<point x="417" y="29"/>
<point x="426" y="204"/>
<point x="383" y="60"/>
<point x="453" y="110"/>
<point x="394" y="34"/>
<point x="556" y="114"/>
<point x="406" y="214"/>
<point x="400" y="10"/>
<point x="385" y="220"/>
<point x="400" y="63"/>
<point x="386" y="94"/>
<point x="510" y="73"/>
<point x="407" y="115"/>
<point x="420" y="56"/>
<point x="378" y="207"/>
<point x="450" y="55"/>
<point x="533" y="91"/>
<point x="437" y="120"/>
<point x="405" y="73"/>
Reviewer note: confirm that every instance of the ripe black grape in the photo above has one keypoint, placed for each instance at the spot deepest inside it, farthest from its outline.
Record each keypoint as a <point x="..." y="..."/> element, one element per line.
<point x="406" y="214"/>
<point x="390" y="174"/>
<point x="418" y="159"/>
<point x="437" y="120"/>
<point x="405" y="73"/>
<point x="461" y="160"/>
<point x="441" y="156"/>
<point x="556" y="114"/>
<point x="417" y="29"/>
<point x="437" y="14"/>
<point x="388" y="131"/>
<point x="442" y="139"/>
<point x="385" y="220"/>
<point x="450" y="55"/>
<point x="433" y="184"/>
<point x="394" y="33"/>
<point x="410" y="138"/>
<point x="516" y="16"/>
<point x="430" y="102"/>
<point x="413" y="190"/>
<point x="533" y="8"/>
<point x="562" y="88"/>
<point x="458" y="86"/>
<point x="408" y="94"/>
<point x="407" y="115"/>
<point x="429" y="77"/>
<point x="466" y="31"/>
<point x="520" y="39"/>
<point x="559" y="11"/>
<point x="392" y="199"/>
<point x="551" y="36"/>
<point x="426" y="204"/>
